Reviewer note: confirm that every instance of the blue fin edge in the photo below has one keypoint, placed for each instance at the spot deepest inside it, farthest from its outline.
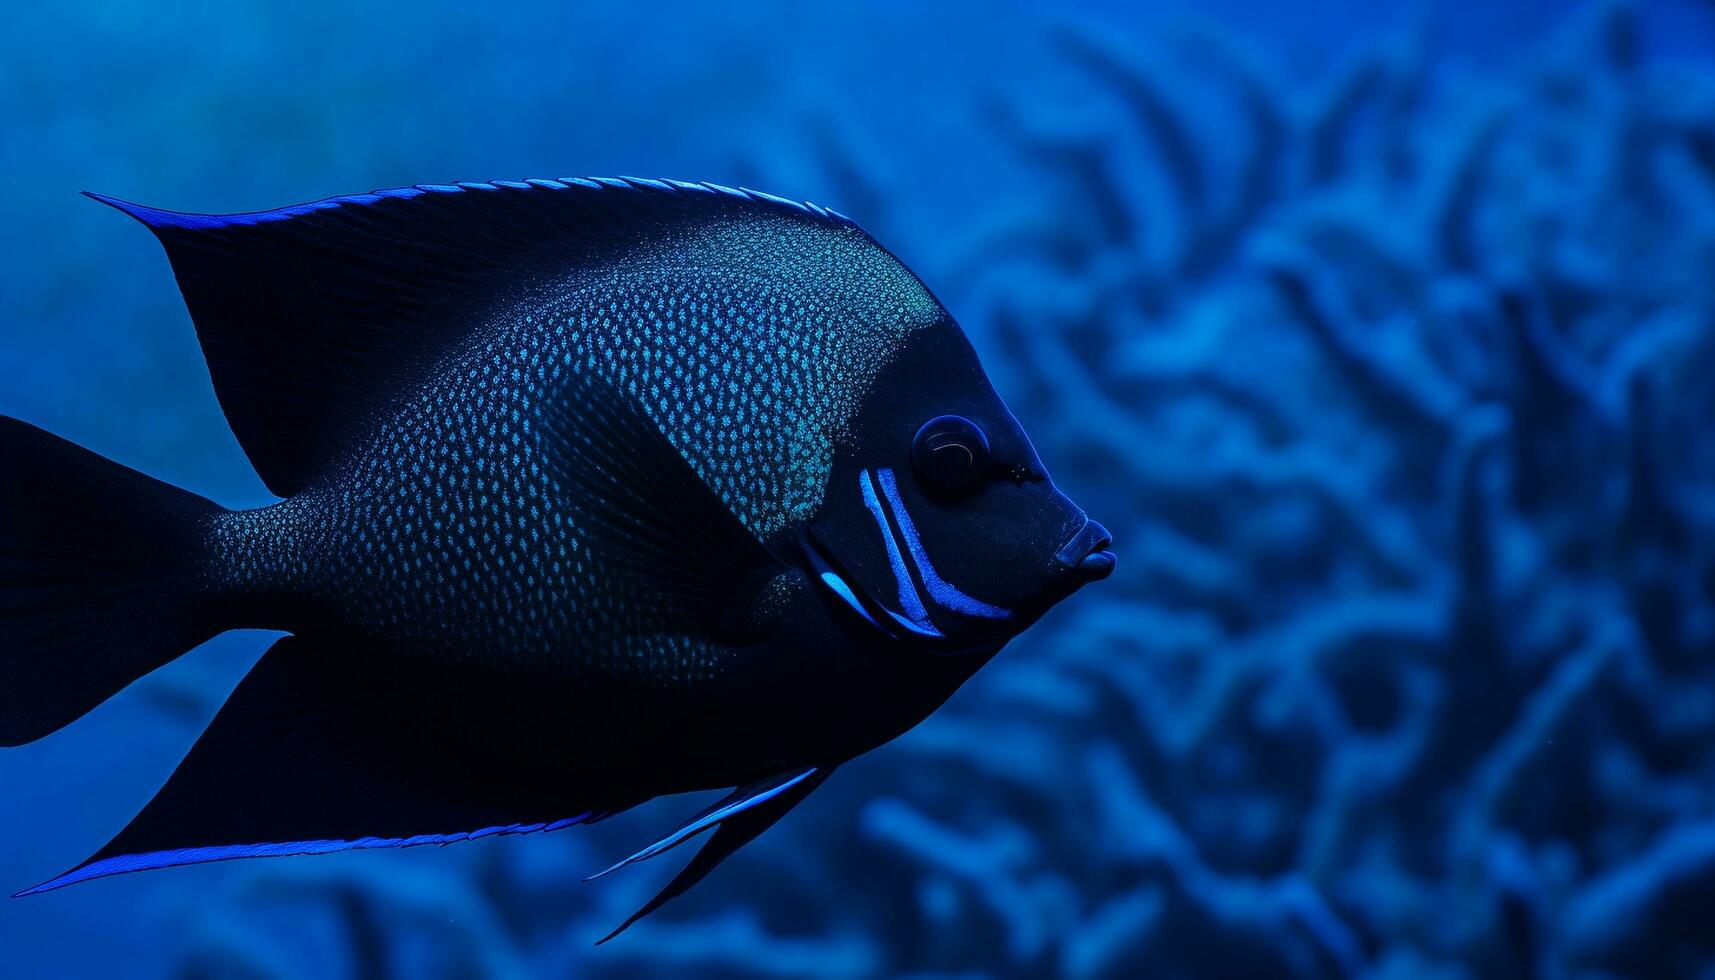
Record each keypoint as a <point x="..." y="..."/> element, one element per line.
<point x="152" y="860"/>
<point x="740" y="801"/>
<point x="157" y="218"/>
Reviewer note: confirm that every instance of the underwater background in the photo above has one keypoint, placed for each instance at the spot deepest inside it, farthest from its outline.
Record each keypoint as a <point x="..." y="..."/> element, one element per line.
<point x="1382" y="335"/>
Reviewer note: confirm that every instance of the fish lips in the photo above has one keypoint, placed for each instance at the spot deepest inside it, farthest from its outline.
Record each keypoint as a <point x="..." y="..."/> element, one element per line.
<point x="1088" y="554"/>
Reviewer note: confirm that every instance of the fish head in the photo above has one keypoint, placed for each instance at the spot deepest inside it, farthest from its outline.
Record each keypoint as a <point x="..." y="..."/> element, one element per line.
<point x="940" y="524"/>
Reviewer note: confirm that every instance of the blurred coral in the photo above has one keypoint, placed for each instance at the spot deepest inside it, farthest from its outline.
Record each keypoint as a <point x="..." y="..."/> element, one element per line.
<point x="1394" y="389"/>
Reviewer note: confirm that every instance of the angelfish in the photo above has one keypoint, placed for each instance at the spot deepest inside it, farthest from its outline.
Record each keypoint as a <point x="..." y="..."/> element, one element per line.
<point x="592" y="491"/>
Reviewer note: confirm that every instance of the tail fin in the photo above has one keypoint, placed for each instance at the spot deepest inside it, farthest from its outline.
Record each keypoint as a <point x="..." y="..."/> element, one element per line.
<point x="97" y="579"/>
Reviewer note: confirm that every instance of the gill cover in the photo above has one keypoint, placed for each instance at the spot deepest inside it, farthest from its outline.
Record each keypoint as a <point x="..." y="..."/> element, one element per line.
<point x="939" y="523"/>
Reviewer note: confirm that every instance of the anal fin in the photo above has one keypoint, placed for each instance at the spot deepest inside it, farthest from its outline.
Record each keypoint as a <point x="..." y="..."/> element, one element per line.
<point x="311" y="755"/>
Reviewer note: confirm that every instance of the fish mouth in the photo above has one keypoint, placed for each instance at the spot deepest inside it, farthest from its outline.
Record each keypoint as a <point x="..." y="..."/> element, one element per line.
<point x="1098" y="565"/>
<point x="1088" y="553"/>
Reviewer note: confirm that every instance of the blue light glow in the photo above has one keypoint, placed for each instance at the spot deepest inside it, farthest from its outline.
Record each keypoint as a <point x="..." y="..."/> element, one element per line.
<point x="908" y="599"/>
<point x="707" y="820"/>
<point x="940" y="590"/>
<point x="149" y="861"/>
<point x="844" y="591"/>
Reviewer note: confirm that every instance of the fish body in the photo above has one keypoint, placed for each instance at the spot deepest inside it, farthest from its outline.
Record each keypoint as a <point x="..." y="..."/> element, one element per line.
<point x="593" y="491"/>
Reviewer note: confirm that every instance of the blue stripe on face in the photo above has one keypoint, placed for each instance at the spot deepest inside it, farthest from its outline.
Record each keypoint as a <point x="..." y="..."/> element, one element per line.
<point x="941" y="591"/>
<point x="921" y="629"/>
<point x="908" y="599"/>
<point x="844" y="591"/>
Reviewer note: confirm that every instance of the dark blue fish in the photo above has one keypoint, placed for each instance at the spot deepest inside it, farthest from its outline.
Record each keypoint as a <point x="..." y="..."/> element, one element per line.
<point x="593" y="491"/>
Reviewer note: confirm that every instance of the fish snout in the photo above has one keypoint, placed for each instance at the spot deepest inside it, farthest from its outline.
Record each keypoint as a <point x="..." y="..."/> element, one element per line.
<point x="1086" y="554"/>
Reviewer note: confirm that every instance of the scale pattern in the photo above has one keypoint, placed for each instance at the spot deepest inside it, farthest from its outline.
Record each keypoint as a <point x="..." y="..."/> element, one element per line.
<point x="749" y="344"/>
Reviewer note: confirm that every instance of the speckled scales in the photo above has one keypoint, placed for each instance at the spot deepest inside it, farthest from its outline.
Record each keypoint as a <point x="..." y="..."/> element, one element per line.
<point x="749" y="342"/>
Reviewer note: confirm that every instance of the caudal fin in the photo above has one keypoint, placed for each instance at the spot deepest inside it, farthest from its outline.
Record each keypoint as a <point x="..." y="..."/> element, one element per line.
<point x="97" y="579"/>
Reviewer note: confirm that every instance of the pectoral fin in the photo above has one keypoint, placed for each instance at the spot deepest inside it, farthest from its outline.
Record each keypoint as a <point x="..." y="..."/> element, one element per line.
<point x="625" y="485"/>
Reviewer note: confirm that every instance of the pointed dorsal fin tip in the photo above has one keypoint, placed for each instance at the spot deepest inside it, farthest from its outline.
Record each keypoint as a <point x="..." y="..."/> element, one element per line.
<point x="157" y="219"/>
<point x="325" y="288"/>
<point x="150" y="217"/>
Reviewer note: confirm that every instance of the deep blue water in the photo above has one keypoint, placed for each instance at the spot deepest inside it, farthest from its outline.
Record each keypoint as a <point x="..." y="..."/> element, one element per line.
<point x="1381" y="334"/>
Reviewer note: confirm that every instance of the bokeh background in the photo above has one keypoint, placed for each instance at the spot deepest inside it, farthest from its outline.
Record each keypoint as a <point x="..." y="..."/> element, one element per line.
<point x="1381" y="334"/>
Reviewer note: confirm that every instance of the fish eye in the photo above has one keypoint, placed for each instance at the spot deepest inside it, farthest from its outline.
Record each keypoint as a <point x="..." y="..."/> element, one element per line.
<point x="950" y="454"/>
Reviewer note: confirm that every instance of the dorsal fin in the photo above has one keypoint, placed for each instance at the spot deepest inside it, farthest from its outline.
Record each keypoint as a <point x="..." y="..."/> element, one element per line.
<point x="313" y="315"/>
